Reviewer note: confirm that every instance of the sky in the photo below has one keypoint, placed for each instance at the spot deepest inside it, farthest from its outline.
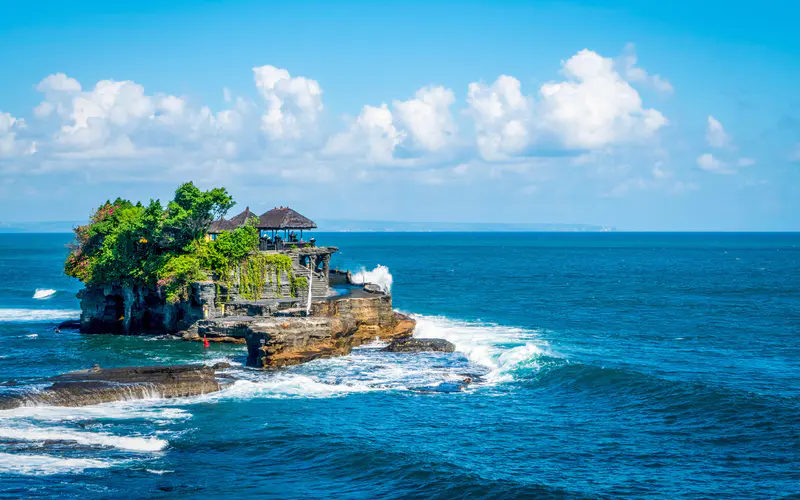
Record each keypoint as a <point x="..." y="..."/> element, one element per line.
<point x="638" y="115"/>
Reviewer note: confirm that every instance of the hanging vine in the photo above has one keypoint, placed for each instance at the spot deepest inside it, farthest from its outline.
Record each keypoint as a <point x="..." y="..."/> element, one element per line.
<point x="259" y="269"/>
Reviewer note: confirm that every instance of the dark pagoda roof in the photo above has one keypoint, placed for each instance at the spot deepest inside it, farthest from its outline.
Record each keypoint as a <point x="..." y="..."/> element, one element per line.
<point x="284" y="218"/>
<point x="223" y="224"/>
<point x="242" y="218"/>
<point x="220" y="225"/>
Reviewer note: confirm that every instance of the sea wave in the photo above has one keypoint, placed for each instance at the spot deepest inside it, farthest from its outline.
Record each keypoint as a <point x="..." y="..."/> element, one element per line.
<point x="128" y="410"/>
<point x="287" y="386"/>
<point x="18" y="463"/>
<point x="43" y="293"/>
<point x="379" y="276"/>
<point x="33" y="433"/>
<point x="489" y="354"/>
<point x="507" y="352"/>
<point x="37" y="315"/>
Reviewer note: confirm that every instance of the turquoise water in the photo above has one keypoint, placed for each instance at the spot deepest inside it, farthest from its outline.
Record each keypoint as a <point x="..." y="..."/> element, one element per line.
<point x="610" y="365"/>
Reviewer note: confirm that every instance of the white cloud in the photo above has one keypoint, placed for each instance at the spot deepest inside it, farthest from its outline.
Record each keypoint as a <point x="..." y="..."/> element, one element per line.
<point x="372" y="136"/>
<point x="119" y="119"/>
<point x="58" y="82"/>
<point x="283" y="131"/>
<point x="9" y="144"/>
<point x="293" y="104"/>
<point x="715" y="134"/>
<point x="710" y="164"/>
<point x="634" y="73"/>
<point x="595" y="107"/>
<point x="502" y="117"/>
<point x="427" y="117"/>
<point x="112" y="109"/>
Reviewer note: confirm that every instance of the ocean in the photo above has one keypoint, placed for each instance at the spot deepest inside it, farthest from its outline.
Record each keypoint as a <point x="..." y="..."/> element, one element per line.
<point x="607" y="365"/>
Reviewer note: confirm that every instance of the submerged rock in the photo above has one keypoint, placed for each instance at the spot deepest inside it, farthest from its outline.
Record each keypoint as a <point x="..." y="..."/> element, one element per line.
<point x="420" y="345"/>
<point x="98" y="385"/>
<point x="446" y="387"/>
<point x="70" y="324"/>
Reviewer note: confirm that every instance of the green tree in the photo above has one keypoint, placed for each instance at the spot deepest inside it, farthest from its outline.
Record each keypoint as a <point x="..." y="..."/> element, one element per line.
<point x="191" y="212"/>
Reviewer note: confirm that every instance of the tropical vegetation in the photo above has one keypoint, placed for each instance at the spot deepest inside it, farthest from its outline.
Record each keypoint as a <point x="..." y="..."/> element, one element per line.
<point x="165" y="247"/>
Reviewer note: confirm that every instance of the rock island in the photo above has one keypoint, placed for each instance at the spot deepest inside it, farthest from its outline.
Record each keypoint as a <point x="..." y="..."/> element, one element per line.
<point x="185" y="269"/>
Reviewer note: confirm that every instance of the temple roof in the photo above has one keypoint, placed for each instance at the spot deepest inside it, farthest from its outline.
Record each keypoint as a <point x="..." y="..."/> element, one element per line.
<point x="239" y="220"/>
<point x="284" y="218"/>
<point x="277" y="218"/>
<point x="223" y="224"/>
<point x="220" y="225"/>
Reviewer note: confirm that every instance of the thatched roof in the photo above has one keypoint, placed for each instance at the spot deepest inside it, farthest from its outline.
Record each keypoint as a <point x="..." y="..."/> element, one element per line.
<point x="242" y="218"/>
<point x="284" y="218"/>
<point x="220" y="225"/>
<point x="223" y="224"/>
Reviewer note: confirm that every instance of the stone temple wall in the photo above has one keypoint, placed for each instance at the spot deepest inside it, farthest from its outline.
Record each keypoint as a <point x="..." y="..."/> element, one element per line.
<point x="122" y="309"/>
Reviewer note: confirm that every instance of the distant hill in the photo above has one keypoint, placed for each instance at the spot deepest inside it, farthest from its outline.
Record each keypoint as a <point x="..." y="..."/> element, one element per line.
<point x="341" y="225"/>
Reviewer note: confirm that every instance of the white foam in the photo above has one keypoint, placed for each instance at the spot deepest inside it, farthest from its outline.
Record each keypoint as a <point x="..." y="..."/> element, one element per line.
<point x="108" y="411"/>
<point x="37" y="315"/>
<point x="159" y="472"/>
<point x="32" y="433"/>
<point x="379" y="276"/>
<point x="286" y="386"/>
<point x="495" y="353"/>
<point x="501" y="349"/>
<point x="43" y="293"/>
<point x="44" y="464"/>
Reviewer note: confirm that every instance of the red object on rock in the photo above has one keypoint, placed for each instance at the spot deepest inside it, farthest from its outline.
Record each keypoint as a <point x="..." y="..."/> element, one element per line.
<point x="205" y="342"/>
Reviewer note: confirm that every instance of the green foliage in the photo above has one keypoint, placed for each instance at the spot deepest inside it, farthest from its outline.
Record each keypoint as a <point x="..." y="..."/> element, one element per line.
<point x="190" y="213"/>
<point x="258" y="269"/>
<point x="152" y="245"/>
<point x="176" y="273"/>
<point x="165" y="247"/>
<point x="299" y="283"/>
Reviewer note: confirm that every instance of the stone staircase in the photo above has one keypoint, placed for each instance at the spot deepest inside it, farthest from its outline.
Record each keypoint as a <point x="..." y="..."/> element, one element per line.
<point x="319" y="288"/>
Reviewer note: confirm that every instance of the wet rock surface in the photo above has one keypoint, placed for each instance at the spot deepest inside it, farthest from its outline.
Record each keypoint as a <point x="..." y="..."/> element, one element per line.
<point x="420" y="345"/>
<point x="99" y="385"/>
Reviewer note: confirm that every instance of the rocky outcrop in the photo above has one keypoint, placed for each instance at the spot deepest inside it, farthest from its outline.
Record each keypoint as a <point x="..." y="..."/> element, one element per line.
<point x="98" y="385"/>
<point x="334" y="328"/>
<point x="420" y="345"/>
<point x="124" y="309"/>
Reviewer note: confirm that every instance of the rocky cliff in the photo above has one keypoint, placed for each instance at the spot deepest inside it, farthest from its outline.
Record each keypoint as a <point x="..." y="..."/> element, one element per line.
<point x="121" y="309"/>
<point x="333" y="329"/>
<point x="274" y="331"/>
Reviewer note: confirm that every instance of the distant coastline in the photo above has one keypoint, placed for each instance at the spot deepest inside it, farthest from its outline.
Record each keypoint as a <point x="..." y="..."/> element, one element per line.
<point x="347" y="225"/>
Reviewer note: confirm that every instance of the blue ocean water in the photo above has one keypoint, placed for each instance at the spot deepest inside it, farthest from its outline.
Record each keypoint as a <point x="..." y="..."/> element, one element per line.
<point x="608" y="365"/>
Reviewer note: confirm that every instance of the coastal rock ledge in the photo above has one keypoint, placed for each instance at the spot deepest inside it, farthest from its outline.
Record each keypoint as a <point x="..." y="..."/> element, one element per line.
<point x="99" y="385"/>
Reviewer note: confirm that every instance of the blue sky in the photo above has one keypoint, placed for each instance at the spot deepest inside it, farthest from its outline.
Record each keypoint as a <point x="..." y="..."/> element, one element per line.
<point x="634" y="114"/>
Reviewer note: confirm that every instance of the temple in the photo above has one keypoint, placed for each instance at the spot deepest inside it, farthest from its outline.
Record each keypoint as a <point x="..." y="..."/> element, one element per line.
<point x="281" y="232"/>
<point x="280" y="297"/>
<point x="270" y="224"/>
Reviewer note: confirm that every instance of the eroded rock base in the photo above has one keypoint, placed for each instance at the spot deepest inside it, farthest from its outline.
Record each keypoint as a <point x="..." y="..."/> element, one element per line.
<point x="98" y="385"/>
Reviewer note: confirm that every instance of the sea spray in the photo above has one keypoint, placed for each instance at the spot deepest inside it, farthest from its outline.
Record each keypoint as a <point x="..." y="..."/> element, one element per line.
<point x="43" y="293"/>
<point x="503" y="350"/>
<point x="379" y="276"/>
